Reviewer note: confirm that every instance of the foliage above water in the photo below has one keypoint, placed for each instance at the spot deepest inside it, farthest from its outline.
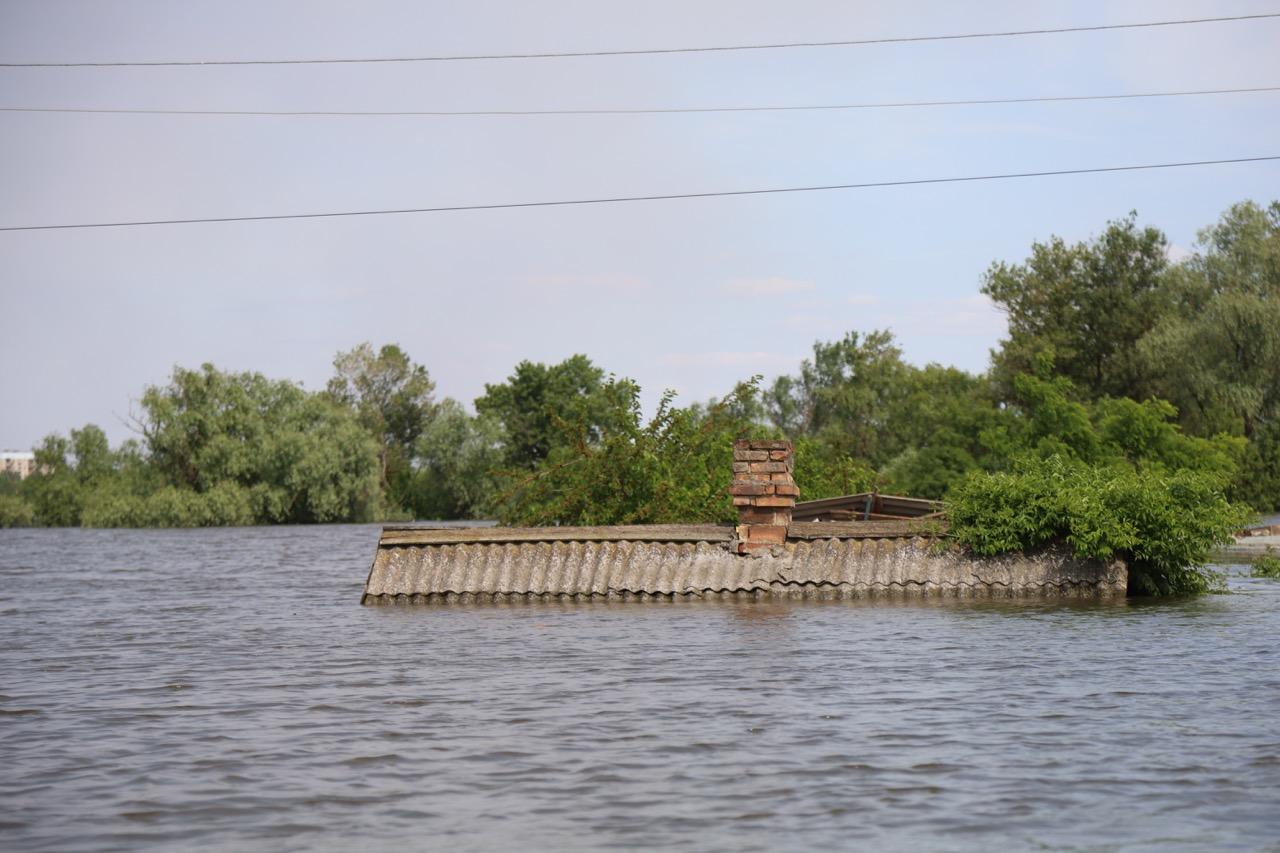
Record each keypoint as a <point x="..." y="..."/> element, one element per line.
<point x="1267" y="565"/>
<point x="1162" y="524"/>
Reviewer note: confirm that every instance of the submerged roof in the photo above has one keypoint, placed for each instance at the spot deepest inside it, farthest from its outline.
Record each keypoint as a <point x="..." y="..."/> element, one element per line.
<point x="835" y="559"/>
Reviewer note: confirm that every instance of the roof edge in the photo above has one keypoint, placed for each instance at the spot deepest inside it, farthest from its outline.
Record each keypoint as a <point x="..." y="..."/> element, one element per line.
<point x="400" y="535"/>
<point x="394" y="535"/>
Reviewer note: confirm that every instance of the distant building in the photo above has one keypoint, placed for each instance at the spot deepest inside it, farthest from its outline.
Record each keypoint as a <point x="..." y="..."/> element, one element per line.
<point x="22" y="463"/>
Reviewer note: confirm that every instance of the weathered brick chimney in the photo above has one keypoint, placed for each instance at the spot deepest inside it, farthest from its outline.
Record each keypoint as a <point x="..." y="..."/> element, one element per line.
<point x="763" y="491"/>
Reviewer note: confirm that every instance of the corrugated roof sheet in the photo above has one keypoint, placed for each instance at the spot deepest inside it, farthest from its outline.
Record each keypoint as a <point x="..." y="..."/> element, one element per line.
<point x="627" y="568"/>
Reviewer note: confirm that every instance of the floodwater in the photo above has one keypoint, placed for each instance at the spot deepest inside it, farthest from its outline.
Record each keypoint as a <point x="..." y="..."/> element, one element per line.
<point x="223" y="689"/>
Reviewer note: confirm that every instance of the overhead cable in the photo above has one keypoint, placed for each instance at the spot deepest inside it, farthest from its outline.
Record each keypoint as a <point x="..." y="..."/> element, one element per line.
<point x="651" y="51"/>
<point x="866" y="105"/>
<point x="664" y="197"/>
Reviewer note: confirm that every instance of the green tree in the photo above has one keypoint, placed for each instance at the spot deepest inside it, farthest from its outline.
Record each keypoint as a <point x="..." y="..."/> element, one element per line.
<point x="823" y="472"/>
<point x="944" y="424"/>
<point x="1047" y="419"/>
<point x="1259" y="481"/>
<point x="619" y="469"/>
<point x="391" y="397"/>
<point x="456" y="460"/>
<point x="537" y="400"/>
<point x="1087" y="303"/>
<point x="1216" y="355"/>
<point x="54" y="492"/>
<point x="300" y="457"/>
<point x="842" y="395"/>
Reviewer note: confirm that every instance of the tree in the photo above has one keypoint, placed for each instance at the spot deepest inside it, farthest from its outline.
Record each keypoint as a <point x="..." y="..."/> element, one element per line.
<point x="299" y="457"/>
<point x="1216" y="355"/>
<point x="1088" y="303"/>
<point x="456" y="460"/>
<point x="619" y="469"/>
<point x="391" y="397"/>
<point x="54" y="491"/>
<point x="842" y="394"/>
<point x="822" y="472"/>
<point x="944" y="424"/>
<point x="536" y="402"/>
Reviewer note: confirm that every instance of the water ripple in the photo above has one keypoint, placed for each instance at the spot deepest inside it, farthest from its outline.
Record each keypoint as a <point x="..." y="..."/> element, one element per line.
<point x="222" y="689"/>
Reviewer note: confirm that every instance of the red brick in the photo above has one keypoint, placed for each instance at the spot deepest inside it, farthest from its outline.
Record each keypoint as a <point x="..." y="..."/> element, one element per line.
<point x="753" y="515"/>
<point x="773" y="534"/>
<point x="787" y="489"/>
<point x="775" y="500"/>
<point x="740" y="489"/>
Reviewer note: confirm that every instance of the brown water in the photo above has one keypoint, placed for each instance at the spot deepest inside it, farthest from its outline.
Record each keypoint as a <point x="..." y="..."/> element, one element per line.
<point x="224" y="690"/>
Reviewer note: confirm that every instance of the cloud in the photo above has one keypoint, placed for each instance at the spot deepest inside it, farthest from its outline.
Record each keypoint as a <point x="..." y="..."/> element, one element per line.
<point x="1177" y="253"/>
<point x="771" y="286"/>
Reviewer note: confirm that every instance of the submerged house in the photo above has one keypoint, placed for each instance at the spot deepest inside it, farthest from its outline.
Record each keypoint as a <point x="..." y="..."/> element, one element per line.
<point x="771" y="551"/>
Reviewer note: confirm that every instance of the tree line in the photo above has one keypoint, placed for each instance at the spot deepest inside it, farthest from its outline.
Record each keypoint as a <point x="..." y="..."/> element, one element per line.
<point x="1116" y="358"/>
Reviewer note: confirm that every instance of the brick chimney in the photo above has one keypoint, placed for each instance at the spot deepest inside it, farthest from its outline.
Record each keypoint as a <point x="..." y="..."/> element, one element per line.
<point x="763" y="491"/>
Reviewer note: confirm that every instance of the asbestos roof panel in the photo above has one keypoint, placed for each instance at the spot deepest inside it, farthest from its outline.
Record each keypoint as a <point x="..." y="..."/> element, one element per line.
<point x="825" y="567"/>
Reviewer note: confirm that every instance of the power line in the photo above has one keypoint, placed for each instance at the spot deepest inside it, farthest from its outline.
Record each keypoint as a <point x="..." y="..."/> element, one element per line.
<point x="867" y="105"/>
<point x="652" y="51"/>
<point x="669" y="197"/>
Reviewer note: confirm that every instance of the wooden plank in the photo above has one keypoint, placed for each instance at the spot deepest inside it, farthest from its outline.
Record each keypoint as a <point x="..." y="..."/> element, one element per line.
<point x="622" y="533"/>
<point x="857" y="515"/>
<point x="883" y="506"/>
<point x="905" y="507"/>
<point x="865" y="529"/>
<point x="906" y="498"/>
<point x="829" y="503"/>
<point x="827" y="515"/>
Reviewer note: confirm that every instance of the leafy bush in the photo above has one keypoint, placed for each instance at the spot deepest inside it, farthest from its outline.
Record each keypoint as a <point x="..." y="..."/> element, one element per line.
<point x="1162" y="524"/>
<point x="15" y="512"/>
<point x="1267" y="566"/>
<point x="112" y="508"/>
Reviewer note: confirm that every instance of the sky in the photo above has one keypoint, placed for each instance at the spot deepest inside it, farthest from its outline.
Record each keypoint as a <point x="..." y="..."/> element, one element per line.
<point x="691" y="295"/>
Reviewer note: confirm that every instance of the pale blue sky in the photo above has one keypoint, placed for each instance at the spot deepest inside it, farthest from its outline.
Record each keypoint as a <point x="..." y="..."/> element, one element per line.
<point x="684" y="294"/>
